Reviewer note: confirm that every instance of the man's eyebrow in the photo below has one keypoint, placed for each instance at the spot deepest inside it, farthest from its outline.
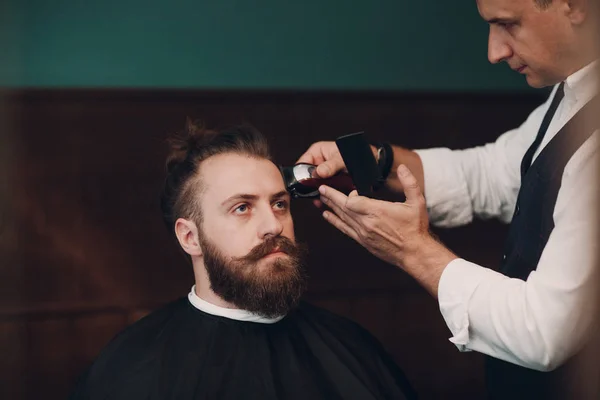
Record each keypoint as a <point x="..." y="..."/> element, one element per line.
<point x="239" y="196"/>
<point x="279" y="195"/>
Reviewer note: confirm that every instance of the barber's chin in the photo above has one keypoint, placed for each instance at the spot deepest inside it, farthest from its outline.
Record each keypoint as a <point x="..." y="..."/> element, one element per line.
<point x="535" y="81"/>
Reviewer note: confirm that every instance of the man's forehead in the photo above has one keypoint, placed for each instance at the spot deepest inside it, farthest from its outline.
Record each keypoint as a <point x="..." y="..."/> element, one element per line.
<point x="229" y="174"/>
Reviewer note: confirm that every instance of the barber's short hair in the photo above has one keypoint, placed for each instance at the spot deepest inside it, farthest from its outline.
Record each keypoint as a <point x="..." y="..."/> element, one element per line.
<point x="543" y="3"/>
<point x="188" y="149"/>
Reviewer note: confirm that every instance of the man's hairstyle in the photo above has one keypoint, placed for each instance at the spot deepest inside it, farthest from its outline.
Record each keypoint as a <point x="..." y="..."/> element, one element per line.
<point x="188" y="149"/>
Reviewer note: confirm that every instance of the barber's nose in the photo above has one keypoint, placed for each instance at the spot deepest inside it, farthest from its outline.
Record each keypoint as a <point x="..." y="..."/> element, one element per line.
<point x="498" y="49"/>
<point x="270" y="225"/>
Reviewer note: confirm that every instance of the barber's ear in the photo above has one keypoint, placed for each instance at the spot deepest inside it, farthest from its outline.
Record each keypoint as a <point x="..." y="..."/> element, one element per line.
<point x="187" y="235"/>
<point x="578" y="10"/>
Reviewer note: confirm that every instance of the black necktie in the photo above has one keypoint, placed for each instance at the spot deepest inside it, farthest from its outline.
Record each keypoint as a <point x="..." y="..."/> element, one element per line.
<point x="526" y="163"/>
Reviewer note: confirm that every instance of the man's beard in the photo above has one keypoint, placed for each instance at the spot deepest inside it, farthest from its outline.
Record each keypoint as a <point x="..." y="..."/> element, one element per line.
<point x="269" y="290"/>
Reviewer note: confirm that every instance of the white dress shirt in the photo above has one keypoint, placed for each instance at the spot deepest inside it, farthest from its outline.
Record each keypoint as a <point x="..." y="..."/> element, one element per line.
<point x="541" y="322"/>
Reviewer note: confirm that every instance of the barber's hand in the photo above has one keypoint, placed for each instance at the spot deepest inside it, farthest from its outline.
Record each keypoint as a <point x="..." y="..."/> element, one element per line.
<point x="397" y="233"/>
<point x="327" y="158"/>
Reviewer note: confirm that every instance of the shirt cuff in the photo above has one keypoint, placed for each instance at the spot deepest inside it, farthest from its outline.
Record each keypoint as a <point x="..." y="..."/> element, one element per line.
<point x="446" y="191"/>
<point x="458" y="282"/>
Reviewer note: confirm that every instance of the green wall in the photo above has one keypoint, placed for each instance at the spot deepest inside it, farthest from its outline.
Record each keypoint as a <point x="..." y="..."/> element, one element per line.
<point x="417" y="45"/>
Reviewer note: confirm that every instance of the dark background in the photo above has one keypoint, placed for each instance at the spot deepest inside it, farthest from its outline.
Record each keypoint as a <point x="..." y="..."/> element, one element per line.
<point x="91" y="90"/>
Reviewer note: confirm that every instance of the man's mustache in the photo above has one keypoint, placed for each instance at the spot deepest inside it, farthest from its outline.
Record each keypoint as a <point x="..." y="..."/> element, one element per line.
<point x="279" y="243"/>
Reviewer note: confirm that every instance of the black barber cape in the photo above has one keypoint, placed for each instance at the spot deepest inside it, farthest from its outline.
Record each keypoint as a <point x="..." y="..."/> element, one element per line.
<point x="180" y="352"/>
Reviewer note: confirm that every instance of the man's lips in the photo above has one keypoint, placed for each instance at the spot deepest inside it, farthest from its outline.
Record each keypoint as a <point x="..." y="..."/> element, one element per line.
<point x="521" y="68"/>
<point x="275" y="252"/>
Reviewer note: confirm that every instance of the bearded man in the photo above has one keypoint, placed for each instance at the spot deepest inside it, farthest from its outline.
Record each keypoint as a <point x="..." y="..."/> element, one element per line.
<point x="242" y="331"/>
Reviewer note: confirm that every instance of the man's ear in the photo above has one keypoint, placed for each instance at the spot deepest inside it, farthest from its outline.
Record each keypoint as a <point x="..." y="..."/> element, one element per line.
<point x="187" y="235"/>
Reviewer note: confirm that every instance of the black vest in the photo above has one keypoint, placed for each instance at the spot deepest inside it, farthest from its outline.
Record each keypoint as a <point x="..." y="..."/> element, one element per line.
<point x="528" y="234"/>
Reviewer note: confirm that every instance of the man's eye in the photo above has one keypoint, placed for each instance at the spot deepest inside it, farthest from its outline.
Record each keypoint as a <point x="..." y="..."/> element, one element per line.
<point x="281" y="204"/>
<point x="241" y="209"/>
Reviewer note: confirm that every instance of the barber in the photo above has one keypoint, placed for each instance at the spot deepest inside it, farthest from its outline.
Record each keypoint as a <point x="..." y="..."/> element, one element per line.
<point x="536" y="313"/>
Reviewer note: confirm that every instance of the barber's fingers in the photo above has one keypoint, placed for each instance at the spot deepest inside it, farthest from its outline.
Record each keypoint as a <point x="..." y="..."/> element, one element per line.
<point x="331" y="167"/>
<point x="314" y="154"/>
<point x="336" y="201"/>
<point x="340" y="225"/>
<point x="326" y="156"/>
<point x="412" y="191"/>
<point x="360" y="204"/>
<point x="357" y="205"/>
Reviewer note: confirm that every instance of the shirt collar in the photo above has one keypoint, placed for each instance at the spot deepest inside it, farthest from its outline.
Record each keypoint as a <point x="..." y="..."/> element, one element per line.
<point x="581" y="85"/>
<point x="231" y="313"/>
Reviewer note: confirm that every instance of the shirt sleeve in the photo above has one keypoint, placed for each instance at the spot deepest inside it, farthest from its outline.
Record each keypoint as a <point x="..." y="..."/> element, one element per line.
<point x="482" y="181"/>
<point x="509" y="318"/>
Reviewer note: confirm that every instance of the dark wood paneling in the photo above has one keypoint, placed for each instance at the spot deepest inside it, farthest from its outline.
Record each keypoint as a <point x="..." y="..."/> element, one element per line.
<point x="84" y="251"/>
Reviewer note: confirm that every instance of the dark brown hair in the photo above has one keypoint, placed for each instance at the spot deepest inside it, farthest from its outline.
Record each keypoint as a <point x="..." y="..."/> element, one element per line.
<point x="188" y="149"/>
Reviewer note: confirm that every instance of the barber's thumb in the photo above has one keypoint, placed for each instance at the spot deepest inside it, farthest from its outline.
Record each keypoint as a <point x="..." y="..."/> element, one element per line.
<point x="409" y="183"/>
<point x="323" y="170"/>
<point x="327" y="169"/>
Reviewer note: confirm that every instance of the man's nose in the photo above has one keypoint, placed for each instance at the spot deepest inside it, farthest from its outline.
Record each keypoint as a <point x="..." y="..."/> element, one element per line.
<point x="498" y="49"/>
<point x="270" y="225"/>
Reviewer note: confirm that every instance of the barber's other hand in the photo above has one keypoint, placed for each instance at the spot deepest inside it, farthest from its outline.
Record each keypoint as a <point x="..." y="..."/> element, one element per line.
<point x="397" y="233"/>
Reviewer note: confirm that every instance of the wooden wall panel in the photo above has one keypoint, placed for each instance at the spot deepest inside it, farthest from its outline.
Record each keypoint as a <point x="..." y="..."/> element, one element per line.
<point x="83" y="250"/>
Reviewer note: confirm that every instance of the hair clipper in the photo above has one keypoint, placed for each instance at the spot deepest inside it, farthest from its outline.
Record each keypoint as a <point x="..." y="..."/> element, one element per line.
<point x="302" y="181"/>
